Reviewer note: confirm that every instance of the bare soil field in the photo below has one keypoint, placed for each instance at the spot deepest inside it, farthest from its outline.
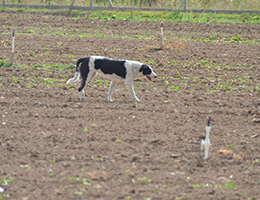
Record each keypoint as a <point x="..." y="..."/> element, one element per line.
<point x="54" y="146"/>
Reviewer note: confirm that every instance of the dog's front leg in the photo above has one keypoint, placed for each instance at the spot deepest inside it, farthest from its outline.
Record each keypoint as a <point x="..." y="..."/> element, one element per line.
<point x="111" y="90"/>
<point x="131" y="91"/>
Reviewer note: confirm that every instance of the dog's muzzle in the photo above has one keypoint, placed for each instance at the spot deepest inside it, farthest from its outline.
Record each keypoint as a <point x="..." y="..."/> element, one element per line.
<point x="150" y="78"/>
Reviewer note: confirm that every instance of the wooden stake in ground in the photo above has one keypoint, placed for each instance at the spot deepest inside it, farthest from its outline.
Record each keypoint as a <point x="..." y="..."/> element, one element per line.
<point x="206" y="143"/>
<point x="162" y="23"/>
<point x="12" y="54"/>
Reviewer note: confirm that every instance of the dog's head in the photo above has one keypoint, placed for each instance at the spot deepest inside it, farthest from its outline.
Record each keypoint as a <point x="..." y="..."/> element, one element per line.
<point x="147" y="71"/>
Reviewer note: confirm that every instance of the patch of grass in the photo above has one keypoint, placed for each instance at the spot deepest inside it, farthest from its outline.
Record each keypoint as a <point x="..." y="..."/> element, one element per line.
<point x="4" y="64"/>
<point x="173" y="15"/>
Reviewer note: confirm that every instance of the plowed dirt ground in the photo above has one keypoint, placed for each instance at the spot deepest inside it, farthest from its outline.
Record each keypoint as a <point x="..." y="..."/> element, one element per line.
<point x="54" y="146"/>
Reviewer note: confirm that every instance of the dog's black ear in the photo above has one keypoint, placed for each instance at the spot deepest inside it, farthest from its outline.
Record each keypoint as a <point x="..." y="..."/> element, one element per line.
<point x="143" y="68"/>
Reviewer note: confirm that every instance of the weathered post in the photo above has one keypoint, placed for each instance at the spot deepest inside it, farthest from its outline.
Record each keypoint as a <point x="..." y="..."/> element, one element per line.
<point x="12" y="54"/>
<point x="205" y="144"/>
<point x="3" y="2"/>
<point x="162" y="23"/>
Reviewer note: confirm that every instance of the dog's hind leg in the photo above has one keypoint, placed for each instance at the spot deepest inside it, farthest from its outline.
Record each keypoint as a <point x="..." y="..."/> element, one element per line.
<point x="85" y="80"/>
<point x="93" y="76"/>
<point x="111" y="90"/>
<point x="131" y="91"/>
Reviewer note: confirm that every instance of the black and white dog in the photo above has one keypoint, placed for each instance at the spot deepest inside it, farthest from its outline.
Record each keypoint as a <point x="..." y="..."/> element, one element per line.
<point x="116" y="70"/>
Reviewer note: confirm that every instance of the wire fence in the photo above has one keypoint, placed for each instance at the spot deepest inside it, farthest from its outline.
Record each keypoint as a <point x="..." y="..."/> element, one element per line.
<point x="237" y="5"/>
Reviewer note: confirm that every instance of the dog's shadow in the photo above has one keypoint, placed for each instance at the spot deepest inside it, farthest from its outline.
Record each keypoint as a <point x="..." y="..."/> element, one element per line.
<point x="103" y="102"/>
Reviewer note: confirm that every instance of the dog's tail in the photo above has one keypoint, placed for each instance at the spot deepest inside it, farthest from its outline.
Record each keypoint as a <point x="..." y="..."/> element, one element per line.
<point x="77" y="74"/>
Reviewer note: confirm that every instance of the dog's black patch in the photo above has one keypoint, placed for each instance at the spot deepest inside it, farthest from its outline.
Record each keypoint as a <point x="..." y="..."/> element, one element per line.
<point x="78" y="62"/>
<point x="84" y="70"/>
<point x="108" y="66"/>
<point x="146" y="70"/>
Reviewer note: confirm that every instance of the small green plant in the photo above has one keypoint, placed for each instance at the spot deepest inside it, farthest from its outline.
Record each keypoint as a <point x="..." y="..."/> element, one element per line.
<point x="6" y="180"/>
<point x="165" y="185"/>
<point x="31" y="31"/>
<point x="149" y="180"/>
<point x="100" y="158"/>
<point x="213" y="37"/>
<point x="79" y="193"/>
<point x="73" y="158"/>
<point x="230" y="185"/>
<point x="142" y="179"/>
<point x="24" y="166"/>
<point x="237" y="38"/>
<point x="5" y="196"/>
<point x="84" y="181"/>
<point x="49" y="170"/>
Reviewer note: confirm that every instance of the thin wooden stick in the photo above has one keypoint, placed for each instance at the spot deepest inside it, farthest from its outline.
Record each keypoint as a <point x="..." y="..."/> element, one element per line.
<point x="12" y="54"/>
<point x="162" y="23"/>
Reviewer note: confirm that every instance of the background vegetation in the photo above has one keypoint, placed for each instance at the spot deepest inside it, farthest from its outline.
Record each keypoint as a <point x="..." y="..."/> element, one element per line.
<point x="174" y="15"/>
<point x="174" y="4"/>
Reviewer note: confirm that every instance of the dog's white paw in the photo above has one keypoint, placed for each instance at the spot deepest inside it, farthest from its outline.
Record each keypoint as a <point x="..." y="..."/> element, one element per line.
<point x="109" y="99"/>
<point x="81" y="94"/>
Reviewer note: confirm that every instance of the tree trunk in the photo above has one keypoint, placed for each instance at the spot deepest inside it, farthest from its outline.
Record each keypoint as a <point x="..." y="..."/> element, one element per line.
<point x="91" y="3"/>
<point x="185" y="5"/>
<point x="110" y="3"/>
<point x="72" y="3"/>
